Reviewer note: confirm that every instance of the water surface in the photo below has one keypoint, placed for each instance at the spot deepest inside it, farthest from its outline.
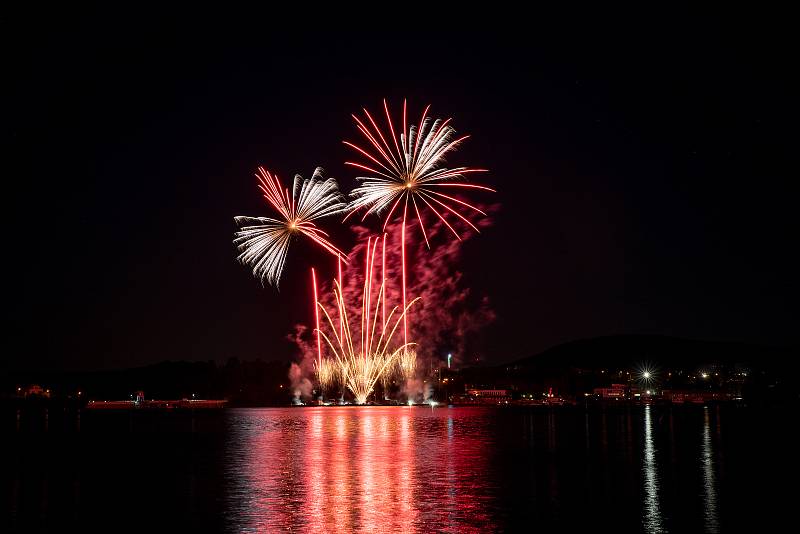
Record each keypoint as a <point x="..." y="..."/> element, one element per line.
<point x="390" y="469"/>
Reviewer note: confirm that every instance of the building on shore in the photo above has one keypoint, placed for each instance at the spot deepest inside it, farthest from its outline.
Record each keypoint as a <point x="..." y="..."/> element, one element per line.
<point x="482" y="395"/>
<point x="695" y="397"/>
<point x="32" y="391"/>
<point x="139" y="402"/>
<point x="615" y="392"/>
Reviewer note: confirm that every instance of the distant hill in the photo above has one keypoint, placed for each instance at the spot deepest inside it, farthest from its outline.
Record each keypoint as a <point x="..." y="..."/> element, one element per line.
<point x="632" y="350"/>
<point x="579" y="366"/>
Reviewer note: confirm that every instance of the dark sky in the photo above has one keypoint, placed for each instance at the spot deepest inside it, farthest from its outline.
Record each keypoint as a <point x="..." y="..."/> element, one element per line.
<point x="642" y="163"/>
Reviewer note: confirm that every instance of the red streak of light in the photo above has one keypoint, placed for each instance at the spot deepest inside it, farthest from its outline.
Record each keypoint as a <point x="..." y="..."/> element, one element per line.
<point x="383" y="278"/>
<point x="421" y="225"/>
<point x="454" y="212"/>
<point x="403" y="262"/>
<point x="368" y="155"/>
<point x="391" y="126"/>
<point x="365" y="168"/>
<point x="321" y="241"/>
<point x="458" y="201"/>
<point x="405" y="130"/>
<point x="391" y="211"/>
<point x="271" y="187"/>
<point x="372" y="140"/>
<point x="442" y="218"/>
<point x="387" y="157"/>
<point x="388" y="148"/>
<point x="371" y="276"/>
<point x="419" y="131"/>
<point x="341" y="318"/>
<point x="369" y="294"/>
<point x="316" y="317"/>
<point x="470" y="186"/>
<point x="364" y="304"/>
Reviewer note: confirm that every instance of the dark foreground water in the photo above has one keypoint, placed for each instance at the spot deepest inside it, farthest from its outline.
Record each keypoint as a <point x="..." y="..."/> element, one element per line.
<point x="400" y="469"/>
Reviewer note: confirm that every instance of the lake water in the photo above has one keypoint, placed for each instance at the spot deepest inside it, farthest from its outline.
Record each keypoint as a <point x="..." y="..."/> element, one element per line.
<point x="401" y="469"/>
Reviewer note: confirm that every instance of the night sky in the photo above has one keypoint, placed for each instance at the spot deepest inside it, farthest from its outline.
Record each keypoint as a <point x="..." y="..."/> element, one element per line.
<point x="642" y="164"/>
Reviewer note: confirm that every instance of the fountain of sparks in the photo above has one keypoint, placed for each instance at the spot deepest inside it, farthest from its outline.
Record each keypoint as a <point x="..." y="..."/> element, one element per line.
<point x="361" y="364"/>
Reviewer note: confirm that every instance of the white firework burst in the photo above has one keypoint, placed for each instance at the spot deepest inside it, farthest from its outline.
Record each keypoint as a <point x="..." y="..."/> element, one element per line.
<point x="263" y="242"/>
<point x="409" y="168"/>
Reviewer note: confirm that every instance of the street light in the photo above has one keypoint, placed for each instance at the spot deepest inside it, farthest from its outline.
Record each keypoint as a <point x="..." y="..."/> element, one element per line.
<point x="646" y="373"/>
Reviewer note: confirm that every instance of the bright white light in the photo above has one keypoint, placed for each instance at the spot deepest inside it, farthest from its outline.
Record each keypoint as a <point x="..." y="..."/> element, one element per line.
<point x="646" y="374"/>
<point x="263" y="242"/>
<point x="410" y="167"/>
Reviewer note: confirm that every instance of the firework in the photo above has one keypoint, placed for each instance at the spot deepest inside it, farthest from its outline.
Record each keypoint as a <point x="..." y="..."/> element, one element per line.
<point x="407" y="364"/>
<point x="327" y="373"/>
<point x="263" y="242"/>
<point x="362" y="364"/>
<point x="409" y="169"/>
<point x="386" y="379"/>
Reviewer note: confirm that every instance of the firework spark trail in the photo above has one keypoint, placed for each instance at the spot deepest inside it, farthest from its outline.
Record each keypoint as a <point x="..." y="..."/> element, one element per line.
<point x="360" y="369"/>
<point x="341" y="319"/>
<point x="403" y="268"/>
<point x="327" y="373"/>
<point x="383" y="278"/>
<point x="316" y="317"/>
<point x="407" y="364"/>
<point x="263" y="242"/>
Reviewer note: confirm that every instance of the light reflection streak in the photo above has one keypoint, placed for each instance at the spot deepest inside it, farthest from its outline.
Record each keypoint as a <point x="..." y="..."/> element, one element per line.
<point x="552" y="472"/>
<point x="340" y="477"/>
<point x="365" y="474"/>
<point x="316" y="481"/>
<point x="405" y="472"/>
<point x="709" y="481"/>
<point x="652" y="508"/>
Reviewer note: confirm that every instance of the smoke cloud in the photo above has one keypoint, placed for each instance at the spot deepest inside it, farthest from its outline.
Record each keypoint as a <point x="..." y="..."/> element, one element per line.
<point x="301" y="386"/>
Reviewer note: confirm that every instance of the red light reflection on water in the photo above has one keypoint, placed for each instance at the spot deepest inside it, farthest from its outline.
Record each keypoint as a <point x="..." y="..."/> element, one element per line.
<point x="370" y="469"/>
